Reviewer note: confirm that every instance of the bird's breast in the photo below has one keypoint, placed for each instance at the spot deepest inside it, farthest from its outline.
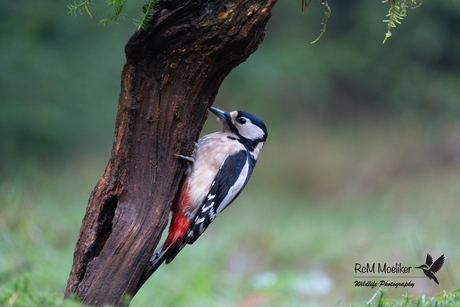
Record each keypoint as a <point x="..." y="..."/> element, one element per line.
<point x="213" y="149"/>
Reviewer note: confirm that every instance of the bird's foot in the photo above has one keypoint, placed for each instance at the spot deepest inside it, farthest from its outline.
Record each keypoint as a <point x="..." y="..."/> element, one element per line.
<point x="190" y="160"/>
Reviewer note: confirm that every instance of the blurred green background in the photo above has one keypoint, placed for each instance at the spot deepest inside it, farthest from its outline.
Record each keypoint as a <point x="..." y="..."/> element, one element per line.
<point x="361" y="164"/>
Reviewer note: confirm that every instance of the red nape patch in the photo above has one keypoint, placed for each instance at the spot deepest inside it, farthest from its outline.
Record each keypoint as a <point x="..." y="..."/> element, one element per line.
<point x="177" y="229"/>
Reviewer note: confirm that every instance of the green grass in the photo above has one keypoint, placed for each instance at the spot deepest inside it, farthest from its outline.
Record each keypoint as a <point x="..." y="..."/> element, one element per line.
<point x="439" y="300"/>
<point x="21" y="294"/>
<point x="314" y="207"/>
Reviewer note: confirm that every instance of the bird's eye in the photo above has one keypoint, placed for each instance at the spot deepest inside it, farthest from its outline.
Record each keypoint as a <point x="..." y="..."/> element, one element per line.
<point x="241" y="120"/>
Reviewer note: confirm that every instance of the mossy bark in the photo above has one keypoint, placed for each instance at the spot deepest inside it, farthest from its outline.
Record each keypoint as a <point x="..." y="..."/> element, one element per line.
<point x="170" y="79"/>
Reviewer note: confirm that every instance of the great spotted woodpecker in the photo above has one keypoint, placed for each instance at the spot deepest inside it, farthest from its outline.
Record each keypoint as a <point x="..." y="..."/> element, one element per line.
<point x="219" y="169"/>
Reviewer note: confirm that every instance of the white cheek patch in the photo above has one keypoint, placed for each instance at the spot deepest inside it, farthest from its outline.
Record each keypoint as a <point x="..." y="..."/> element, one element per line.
<point x="250" y="131"/>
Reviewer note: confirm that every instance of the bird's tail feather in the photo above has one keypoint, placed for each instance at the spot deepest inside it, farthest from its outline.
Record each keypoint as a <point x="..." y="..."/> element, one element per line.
<point x="161" y="255"/>
<point x="157" y="259"/>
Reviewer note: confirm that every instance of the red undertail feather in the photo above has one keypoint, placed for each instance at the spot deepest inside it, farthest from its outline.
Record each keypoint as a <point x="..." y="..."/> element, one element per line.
<point x="177" y="229"/>
<point x="180" y="220"/>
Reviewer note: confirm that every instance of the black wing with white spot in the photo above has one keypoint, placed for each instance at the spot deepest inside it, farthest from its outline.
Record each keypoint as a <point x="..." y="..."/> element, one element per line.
<point x="227" y="185"/>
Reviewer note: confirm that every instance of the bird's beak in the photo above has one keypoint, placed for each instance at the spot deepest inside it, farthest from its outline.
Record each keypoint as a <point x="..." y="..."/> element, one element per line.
<point x="222" y="116"/>
<point x="418" y="267"/>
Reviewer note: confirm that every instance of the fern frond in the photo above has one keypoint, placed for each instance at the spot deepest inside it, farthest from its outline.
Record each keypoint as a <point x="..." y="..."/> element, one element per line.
<point x="327" y="14"/>
<point x="147" y="10"/>
<point x="119" y="7"/>
<point x="80" y="6"/>
<point x="397" y="12"/>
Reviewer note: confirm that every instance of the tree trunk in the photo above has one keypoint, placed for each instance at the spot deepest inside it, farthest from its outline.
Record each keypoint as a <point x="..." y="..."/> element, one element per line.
<point x="170" y="79"/>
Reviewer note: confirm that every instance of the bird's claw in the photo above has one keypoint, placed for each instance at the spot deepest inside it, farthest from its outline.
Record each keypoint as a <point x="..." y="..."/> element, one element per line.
<point x="190" y="160"/>
<point x="187" y="159"/>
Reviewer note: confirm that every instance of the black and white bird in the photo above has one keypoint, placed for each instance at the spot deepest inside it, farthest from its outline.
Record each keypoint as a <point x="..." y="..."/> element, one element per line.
<point x="218" y="171"/>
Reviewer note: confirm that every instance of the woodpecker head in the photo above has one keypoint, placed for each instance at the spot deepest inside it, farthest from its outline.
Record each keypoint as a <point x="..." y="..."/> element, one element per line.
<point x="248" y="128"/>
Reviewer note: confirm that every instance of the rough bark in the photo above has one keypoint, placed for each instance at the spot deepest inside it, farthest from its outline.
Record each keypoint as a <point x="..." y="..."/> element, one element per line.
<point x="170" y="79"/>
